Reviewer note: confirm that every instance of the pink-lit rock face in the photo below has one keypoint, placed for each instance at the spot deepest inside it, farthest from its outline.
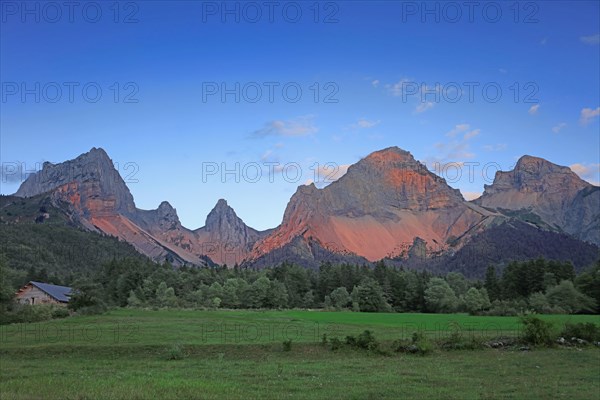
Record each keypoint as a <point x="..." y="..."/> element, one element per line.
<point x="553" y="192"/>
<point x="98" y="199"/>
<point x="376" y="210"/>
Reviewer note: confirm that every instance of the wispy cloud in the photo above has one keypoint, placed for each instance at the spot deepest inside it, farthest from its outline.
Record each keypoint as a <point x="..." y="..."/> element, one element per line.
<point x="471" y="134"/>
<point x="457" y="149"/>
<point x="298" y="127"/>
<point x="591" y="40"/>
<point x="534" y="109"/>
<point x="364" y="123"/>
<point x="458" y="129"/>
<point x="424" y="106"/>
<point x="375" y="83"/>
<point x="588" y="172"/>
<point x="588" y="114"/>
<point x="495" y="147"/>
<point x="544" y="41"/>
<point x="559" y="127"/>
<point x="399" y="87"/>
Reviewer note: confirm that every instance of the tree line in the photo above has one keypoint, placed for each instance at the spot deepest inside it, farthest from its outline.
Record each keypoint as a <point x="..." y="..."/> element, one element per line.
<point x="543" y="286"/>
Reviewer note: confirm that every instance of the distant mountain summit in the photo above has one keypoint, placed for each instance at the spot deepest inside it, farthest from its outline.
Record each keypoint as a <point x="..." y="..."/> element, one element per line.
<point x="376" y="210"/>
<point x="387" y="206"/>
<point x="95" y="196"/>
<point x="90" y="182"/>
<point x="558" y="196"/>
<point x="229" y="238"/>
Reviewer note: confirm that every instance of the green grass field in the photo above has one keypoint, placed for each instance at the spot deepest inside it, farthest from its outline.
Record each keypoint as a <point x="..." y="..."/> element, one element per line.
<point x="124" y="354"/>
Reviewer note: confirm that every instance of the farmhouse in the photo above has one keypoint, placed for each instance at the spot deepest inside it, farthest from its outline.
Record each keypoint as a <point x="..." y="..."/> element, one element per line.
<point x="43" y="293"/>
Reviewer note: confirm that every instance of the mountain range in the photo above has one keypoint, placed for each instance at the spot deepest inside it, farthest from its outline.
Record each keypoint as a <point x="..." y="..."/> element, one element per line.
<point x="388" y="206"/>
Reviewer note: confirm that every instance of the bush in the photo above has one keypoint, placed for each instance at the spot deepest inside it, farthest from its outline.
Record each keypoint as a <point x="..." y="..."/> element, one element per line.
<point x="336" y="344"/>
<point x="175" y="352"/>
<point x="419" y="344"/>
<point x="365" y="340"/>
<point x="351" y="341"/>
<point x="536" y="331"/>
<point x="422" y="342"/>
<point x="24" y="313"/>
<point x="586" y="331"/>
<point x="60" y="312"/>
<point x="502" y="308"/>
<point x="287" y="345"/>
<point x="456" y="341"/>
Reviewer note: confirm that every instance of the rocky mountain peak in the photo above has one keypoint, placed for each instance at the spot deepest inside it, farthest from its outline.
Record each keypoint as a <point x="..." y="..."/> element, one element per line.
<point x="223" y="216"/>
<point x="92" y="174"/>
<point x="392" y="154"/>
<point x="535" y="174"/>
<point x="167" y="213"/>
<point x="554" y="192"/>
<point x="166" y="207"/>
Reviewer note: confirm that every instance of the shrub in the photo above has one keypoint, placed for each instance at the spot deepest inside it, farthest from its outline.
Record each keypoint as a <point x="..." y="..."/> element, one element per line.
<point x="367" y="341"/>
<point x="502" y="308"/>
<point x="422" y="342"/>
<point x="419" y="344"/>
<point x="28" y="313"/>
<point x="536" y="331"/>
<point x="456" y="341"/>
<point x="60" y="312"/>
<point x="586" y="331"/>
<point x="175" y="352"/>
<point x="336" y="344"/>
<point x="287" y="345"/>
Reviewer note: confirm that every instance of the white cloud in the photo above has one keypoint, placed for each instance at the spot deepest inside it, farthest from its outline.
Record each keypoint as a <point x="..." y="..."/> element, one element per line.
<point x="398" y="88"/>
<point x="544" y="41"/>
<point x="365" y="123"/>
<point x="266" y="155"/>
<point x="456" y="150"/>
<point x="591" y="40"/>
<point x="588" y="172"/>
<point x="375" y="83"/>
<point x="301" y="126"/>
<point x="587" y="115"/>
<point x="495" y="147"/>
<point x="472" y="134"/>
<point x="422" y="107"/>
<point x="458" y="129"/>
<point x="558" y="127"/>
<point x="503" y="71"/>
<point x="534" y="109"/>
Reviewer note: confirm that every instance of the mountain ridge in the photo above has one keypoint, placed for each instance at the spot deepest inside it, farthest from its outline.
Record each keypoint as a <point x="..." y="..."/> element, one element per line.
<point x="385" y="207"/>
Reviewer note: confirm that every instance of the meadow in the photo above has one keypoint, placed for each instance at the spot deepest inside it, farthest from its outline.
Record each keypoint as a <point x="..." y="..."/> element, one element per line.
<point x="185" y="354"/>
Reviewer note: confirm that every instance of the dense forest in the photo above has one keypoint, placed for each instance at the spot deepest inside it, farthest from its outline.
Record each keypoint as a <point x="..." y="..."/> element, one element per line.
<point x="537" y="285"/>
<point x="108" y="273"/>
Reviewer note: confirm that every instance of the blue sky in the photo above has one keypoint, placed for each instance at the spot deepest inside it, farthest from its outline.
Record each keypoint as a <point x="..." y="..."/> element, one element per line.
<point x="421" y="76"/>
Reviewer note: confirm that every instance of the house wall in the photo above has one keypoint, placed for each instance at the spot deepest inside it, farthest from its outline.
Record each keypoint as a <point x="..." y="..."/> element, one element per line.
<point x="38" y="296"/>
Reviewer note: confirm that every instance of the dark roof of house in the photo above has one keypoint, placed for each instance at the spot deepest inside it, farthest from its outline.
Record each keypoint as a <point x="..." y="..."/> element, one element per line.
<point x="60" y="293"/>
